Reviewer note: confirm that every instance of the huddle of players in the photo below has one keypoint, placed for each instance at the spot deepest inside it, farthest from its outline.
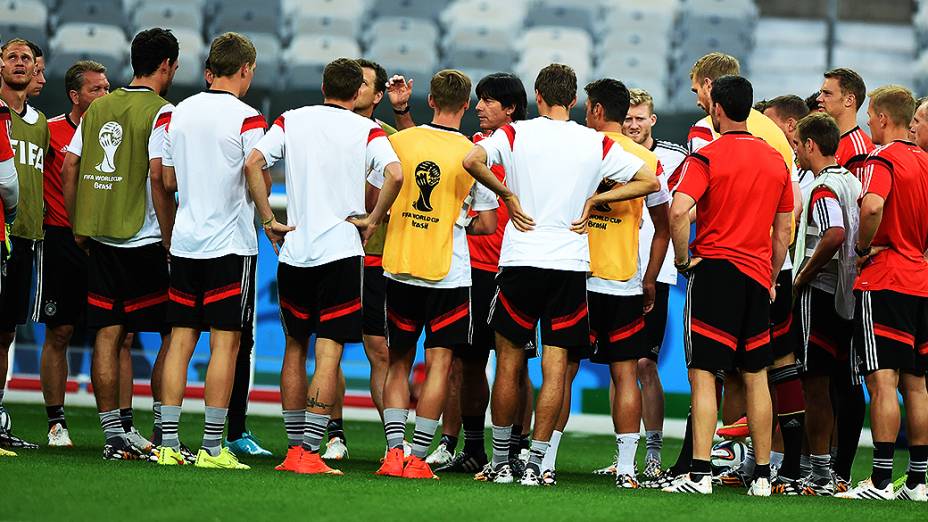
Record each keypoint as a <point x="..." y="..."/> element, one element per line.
<point x="426" y="176"/>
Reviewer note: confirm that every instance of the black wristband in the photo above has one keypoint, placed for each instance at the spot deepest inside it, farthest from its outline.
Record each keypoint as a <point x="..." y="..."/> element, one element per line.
<point x="682" y="267"/>
<point x="400" y="113"/>
<point x="862" y="252"/>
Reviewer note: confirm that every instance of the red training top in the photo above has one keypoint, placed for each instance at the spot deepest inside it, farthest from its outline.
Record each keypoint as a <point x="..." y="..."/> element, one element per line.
<point x="853" y="149"/>
<point x="898" y="172"/>
<point x="61" y="130"/>
<point x="739" y="183"/>
<point x="6" y="153"/>
<point x="484" y="250"/>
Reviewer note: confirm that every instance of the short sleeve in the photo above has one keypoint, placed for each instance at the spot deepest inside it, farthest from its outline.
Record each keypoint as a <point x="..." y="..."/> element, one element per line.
<point x="379" y="152"/>
<point x="375" y="178"/>
<point x="618" y="164"/>
<point x="253" y="129"/>
<point x="6" y="149"/>
<point x="484" y="198"/>
<point x="786" y="203"/>
<point x="878" y="176"/>
<point x="273" y="144"/>
<point x="167" y="150"/>
<point x="693" y="176"/>
<point x="825" y="210"/>
<point x="499" y="145"/>
<point x="158" y="130"/>
<point x="77" y="141"/>
<point x="663" y="194"/>
<point x="698" y="137"/>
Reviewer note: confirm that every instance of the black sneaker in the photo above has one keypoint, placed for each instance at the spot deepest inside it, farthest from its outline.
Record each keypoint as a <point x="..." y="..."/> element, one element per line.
<point x="517" y="465"/>
<point x="121" y="450"/>
<point x="8" y="440"/>
<point x="189" y="456"/>
<point x="786" y="486"/>
<point x="464" y="463"/>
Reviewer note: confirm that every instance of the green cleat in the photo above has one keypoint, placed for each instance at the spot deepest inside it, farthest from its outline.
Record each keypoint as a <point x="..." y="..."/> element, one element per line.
<point x="168" y="456"/>
<point x="225" y="460"/>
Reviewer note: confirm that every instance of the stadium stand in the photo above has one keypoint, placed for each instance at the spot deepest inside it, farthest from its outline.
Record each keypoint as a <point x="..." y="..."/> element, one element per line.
<point x="25" y="18"/>
<point x="106" y="44"/>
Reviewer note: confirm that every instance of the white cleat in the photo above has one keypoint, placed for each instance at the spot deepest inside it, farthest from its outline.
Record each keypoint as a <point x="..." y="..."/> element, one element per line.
<point x="531" y="478"/>
<point x="139" y="442"/>
<point x="760" y="487"/>
<point x="918" y="494"/>
<point x="866" y="490"/>
<point x="58" y="437"/>
<point x="440" y="456"/>
<point x="335" y="449"/>
<point x="524" y="455"/>
<point x="684" y="484"/>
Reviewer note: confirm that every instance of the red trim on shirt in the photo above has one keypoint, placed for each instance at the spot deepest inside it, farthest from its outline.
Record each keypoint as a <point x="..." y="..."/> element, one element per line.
<point x="254" y="122"/>
<point x="627" y="331"/>
<point x="280" y="122"/>
<point x="700" y="132"/>
<point x="225" y="292"/>
<point x="895" y="335"/>
<point x="821" y="193"/>
<point x="341" y="310"/>
<point x="450" y="318"/>
<point x="607" y="144"/>
<point x="511" y="134"/>
<point x="373" y="260"/>
<point x="566" y="321"/>
<point x="376" y="133"/>
<point x="713" y="333"/>
<point x="164" y="119"/>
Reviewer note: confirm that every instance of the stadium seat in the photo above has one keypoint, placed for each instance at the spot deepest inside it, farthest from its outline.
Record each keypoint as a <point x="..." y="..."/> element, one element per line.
<point x="490" y="59"/>
<point x="247" y="16"/>
<point x="412" y="62"/>
<point x="799" y="33"/>
<point x="487" y="37"/>
<point x="109" y="12"/>
<point x="630" y="68"/>
<point x="484" y="13"/>
<point x="268" y="73"/>
<point x="549" y="36"/>
<point x="308" y="54"/>
<point x="634" y="43"/>
<point x="429" y="9"/>
<point x="192" y="59"/>
<point x="335" y="17"/>
<point x="24" y="19"/>
<point x="173" y="15"/>
<point x="106" y="44"/>
<point x="580" y="14"/>
<point x="876" y="37"/>
<point x="404" y="29"/>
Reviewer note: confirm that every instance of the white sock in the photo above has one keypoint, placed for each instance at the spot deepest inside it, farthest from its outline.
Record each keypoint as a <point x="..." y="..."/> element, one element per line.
<point x="550" y="460"/>
<point x="776" y="459"/>
<point x="626" y="446"/>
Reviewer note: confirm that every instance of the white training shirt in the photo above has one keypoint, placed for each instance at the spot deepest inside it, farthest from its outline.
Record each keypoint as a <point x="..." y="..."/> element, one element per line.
<point x="329" y="151"/>
<point x="634" y="285"/>
<point x="554" y="167"/>
<point x="210" y="135"/>
<point x="826" y="213"/>
<point x="150" y="232"/>
<point x="671" y="157"/>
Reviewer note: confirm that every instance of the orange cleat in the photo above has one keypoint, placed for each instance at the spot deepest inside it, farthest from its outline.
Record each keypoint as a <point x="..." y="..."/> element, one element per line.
<point x="417" y="468"/>
<point x="392" y="464"/>
<point x="311" y="464"/>
<point x="736" y="430"/>
<point x="292" y="460"/>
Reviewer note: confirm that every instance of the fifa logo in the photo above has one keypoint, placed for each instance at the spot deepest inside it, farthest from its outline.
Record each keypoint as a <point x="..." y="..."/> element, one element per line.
<point x="604" y="186"/>
<point x="427" y="176"/>
<point x="110" y="139"/>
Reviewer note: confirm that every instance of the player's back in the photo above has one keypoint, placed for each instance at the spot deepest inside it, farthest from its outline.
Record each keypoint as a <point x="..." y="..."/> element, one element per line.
<point x="207" y="142"/>
<point x="702" y="133"/>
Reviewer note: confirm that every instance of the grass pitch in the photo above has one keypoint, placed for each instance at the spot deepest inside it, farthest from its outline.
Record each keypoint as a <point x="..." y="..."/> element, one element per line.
<point x="75" y="484"/>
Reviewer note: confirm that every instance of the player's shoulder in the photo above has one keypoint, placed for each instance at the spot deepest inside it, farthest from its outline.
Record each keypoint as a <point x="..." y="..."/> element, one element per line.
<point x="669" y="146"/>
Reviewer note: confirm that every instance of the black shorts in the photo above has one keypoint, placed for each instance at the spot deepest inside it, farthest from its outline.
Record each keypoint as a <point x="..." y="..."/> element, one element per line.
<point x="372" y="299"/>
<point x="127" y="286"/>
<point x="212" y="293"/>
<point x="557" y="298"/>
<point x="655" y="321"/>
<point x="16" y="285"/>
<point x="781" y="317"/>
<point x="444" y="314"/>
<point x="324" y="299"/>
<point x="821" y="338"/>
<point x="61" y="291"/>
<point x="617" y="327"/>
<point x="726" y="319"/>
<point x="890" y="332"/>
<point x="483" y="338"/>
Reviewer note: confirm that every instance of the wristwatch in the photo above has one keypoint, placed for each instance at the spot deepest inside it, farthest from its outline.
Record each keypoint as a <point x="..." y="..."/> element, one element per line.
<point x="401" y="112"/>
<point x="863" y="252"/>
<point x="682" y="267"/>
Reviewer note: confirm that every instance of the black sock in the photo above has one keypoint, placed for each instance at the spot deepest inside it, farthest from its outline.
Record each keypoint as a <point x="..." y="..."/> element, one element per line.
<point x="235" y="422"/>
<point x="56" y="416"/>
<point x="792" y="427"/>
<point x="238" y="400"/>
<point x="474" y="443"/>
<point x="125" y="417"/>
<point x="525" y="442"/>
<point x="851" y="411"/>
<point x="336" y="428"/>
<point x="882" y="463"/>
<point x="762" y="471"/>
<point x="918" y="462"/>
<point x="450" y="442"/>
<point x="699" y="469"/>
<point x="515" y="438"/>
<point x="684" y="460"/>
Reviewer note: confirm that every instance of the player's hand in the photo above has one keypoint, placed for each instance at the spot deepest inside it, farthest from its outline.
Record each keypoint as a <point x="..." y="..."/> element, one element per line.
<point x="82" y="243"/>
<point x="689" y="269"/>
<point x="800" y="282"/>
<point x="773" y="293"/>
<point x="581" y="225"/>
<point x="650" y="292"/>
<point x="522" y="221"/>
<point x="862" y="261"/>
<point x="275" y="232"/>
<point x="400" y="91"/>
<point x="364" y="226"/>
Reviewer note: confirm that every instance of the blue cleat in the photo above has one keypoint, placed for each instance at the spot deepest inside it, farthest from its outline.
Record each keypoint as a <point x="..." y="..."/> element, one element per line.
<point x="247" y="446"/>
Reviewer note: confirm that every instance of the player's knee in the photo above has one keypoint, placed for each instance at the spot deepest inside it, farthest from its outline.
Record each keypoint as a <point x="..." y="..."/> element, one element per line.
<point x="647" y="372"/>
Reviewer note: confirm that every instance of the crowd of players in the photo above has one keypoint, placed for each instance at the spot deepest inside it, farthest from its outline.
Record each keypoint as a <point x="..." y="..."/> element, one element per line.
<point x="807" y="275"/>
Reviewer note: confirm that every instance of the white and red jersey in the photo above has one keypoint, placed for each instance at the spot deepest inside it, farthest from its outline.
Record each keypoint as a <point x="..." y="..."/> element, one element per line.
<point x="210" y="136"/>
<point x="553" y="167"/>
<point x="852" y="152"/>
<point x="7" y="167"/>
<point x="671" y="157"/>
<point x="485" y="250"/>
<point x="329" y="152"/>
<point x="61" y="130"/>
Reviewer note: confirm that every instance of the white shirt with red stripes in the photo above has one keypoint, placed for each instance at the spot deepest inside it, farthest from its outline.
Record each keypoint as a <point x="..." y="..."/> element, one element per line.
<point x="210" y="135"/>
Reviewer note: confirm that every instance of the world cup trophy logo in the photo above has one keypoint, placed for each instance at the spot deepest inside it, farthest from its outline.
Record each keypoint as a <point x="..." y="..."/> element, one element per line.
<point x="110" y="138"/>
<point x="427" y="176"/>
<point x="604" y="186"/>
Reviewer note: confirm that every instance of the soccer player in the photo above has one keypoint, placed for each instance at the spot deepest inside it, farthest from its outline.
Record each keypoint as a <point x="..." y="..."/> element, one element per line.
<point x="29" y="141"/>
<point x="213" y="244"/>
<point x="372" y="295"/>
<point x="114" y="167"/>
<point x="38" y="81"/>
<point x="638" y="125"/>
<point x="732" y="250"/>
<point x="545" y="258"/>
<point x="824" y="282"/>
<point x="329" y="150"/>
<point x="891" y="316"/>
<point x="62" y="296"/>
<point x="842" y="94"/>
<point x="429" y="293"/>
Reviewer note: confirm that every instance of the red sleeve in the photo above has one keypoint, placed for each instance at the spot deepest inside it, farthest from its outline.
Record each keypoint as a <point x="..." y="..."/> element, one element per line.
<point x="511" y="134"/>
<point x="6" y="150"/>
<point x="607" y="144"/>
<point x="254" y="122"/>
<point x="821" y="193"/>
<point x="376" y="133"/>
<point x="694" y="176"/>
<point x="164" y="119"/>
<point x="786" y="203"/>
<point x="280" y="122"/>
<point x="878" y="177"/>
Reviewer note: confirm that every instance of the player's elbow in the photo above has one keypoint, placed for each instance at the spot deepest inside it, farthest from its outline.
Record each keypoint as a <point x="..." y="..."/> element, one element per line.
<point x="394" y="172"/>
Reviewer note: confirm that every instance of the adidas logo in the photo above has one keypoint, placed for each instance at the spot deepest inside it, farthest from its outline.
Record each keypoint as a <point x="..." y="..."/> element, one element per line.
<point x="793" y="423"/>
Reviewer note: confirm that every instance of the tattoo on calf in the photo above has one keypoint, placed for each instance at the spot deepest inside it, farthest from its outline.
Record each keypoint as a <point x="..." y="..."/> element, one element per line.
<point x="314" y="402"/>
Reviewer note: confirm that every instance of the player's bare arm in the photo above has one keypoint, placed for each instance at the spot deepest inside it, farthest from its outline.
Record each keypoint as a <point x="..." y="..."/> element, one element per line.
<point x="644" y="182"/>
<point x="255" y="167"/>
<point x="782" y="231"/>
<point x="392" y="183"/>
<point x="660" y="217"/>
<point x="871" y="215"/>
<point x="826" y="249"/>
<point x="475" y="163"/>
<point x="483" y="224"/>
<point x="680" y="231"/>
<point x="165" y="207"/>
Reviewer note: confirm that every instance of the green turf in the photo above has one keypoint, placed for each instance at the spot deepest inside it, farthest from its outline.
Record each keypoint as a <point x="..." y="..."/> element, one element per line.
<point x="75" y="484"/>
